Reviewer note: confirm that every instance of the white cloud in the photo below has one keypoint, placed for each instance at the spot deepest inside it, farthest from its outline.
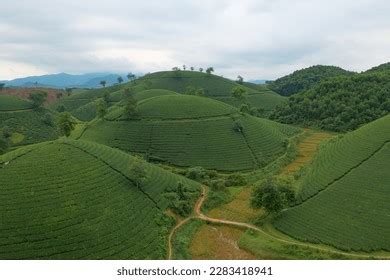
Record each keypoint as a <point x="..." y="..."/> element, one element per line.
<point x="254" y="38"/>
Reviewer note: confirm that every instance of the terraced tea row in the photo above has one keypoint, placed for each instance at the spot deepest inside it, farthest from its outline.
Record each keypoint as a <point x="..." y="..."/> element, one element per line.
<point x="12" y="103"/>
<point x="346" y="191"/>
<point x="193" y="131"/>
<point x="49" y="211"/>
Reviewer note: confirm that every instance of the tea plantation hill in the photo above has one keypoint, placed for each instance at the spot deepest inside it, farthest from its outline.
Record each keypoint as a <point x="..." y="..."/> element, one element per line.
<point x="345" y="194"/>
<point x="22" y="124"/>
<point x="186" y="130"/>
<point x="70" y="199"/>
<point x="215" y="87"/>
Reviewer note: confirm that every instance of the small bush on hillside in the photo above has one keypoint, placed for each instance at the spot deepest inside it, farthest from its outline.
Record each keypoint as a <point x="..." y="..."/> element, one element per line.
<point x="271" y="196"/>
<point x="65" y="123"/>
<point x="48" y="119"/>
<point x="237" y="127"/>
<point x="7" y="132"/>
<point x="38" y="98"/>
<point x="217" y="185"/>
<point x="235" y="180"/>
<point x="101" y="107"/>
<point x="196" y="173"/>
<point x="61" y="108"/>
<point x="138" y="173"/>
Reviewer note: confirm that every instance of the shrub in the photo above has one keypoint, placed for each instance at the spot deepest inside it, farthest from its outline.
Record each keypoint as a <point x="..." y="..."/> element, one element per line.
<point x="196" y="173"/>
<point x="7" y="132"/>
<point x="235" y="180"/>
<point x="48" y="119"/>
<point x="38" y="98"/>
<point x="3" y="144"/>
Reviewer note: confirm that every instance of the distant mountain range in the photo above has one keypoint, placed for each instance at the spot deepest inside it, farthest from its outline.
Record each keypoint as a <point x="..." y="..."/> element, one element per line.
<point x="62" y="80"/>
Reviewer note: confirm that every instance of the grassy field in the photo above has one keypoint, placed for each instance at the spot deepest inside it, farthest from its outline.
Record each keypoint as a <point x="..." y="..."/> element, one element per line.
<point x="193" y="131"/>
<point x="49" y="211"/>
<point x="345" y="194"/>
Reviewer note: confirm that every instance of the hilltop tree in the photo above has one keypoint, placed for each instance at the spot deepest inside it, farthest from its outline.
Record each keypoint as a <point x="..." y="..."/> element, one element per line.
<point x="120" y="79"/>
<point x="2" y="85"/>
<point x="38" y="98"/>
<point x="184" y="67"/>
<point x="200" y="69"/>
<point x="130" y="76"/>
<point x="240" y="80"/>
<point x="238" y="93"/>
<point x="103" y="83"/>
<point x="192" y="68"/>
<point x="209" y="70"/>
<point x="65" y="123"/>
<point x="101" y="107"/>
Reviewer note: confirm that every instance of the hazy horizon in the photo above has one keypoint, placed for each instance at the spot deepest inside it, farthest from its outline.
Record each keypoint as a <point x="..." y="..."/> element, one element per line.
<point x="255" y="39"/>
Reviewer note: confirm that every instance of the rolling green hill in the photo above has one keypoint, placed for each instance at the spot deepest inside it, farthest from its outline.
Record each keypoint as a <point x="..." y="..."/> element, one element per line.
<point x="188" y="130"/>
<point x="214" y="86"/>
<point x="380" y="68"/>
<point x="304" y="79"/>
<point x="345" y="194"/>
<point x="70" y="199"/>
<point x="23" y="125"/>
<point x="342" y="103"/>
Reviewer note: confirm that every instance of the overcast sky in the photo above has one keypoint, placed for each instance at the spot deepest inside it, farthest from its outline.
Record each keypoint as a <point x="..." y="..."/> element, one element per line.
<point x="254" y="38"/>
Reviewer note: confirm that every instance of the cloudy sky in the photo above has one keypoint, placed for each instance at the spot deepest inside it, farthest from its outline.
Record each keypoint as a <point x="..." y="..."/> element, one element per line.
<point x="254" y="38"/>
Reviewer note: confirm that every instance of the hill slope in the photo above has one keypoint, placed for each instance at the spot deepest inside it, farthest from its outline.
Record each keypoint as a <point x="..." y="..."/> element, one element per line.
<point x="304" y="79"/>
<point x="192" y="131"/>
<point x="78" y="200"/>
<point x="24" y="124"/>
<point x="346" y="193"/>
<point x="214" y="86"/>
<point x="340" y="104"/>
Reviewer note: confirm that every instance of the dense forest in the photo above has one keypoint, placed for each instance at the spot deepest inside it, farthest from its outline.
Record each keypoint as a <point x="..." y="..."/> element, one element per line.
<point x="304" y="79"/>
<point x="341" y="103"/>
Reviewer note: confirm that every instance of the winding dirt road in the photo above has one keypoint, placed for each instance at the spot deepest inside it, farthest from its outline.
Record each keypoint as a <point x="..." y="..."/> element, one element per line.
<point x="199" y="215"/>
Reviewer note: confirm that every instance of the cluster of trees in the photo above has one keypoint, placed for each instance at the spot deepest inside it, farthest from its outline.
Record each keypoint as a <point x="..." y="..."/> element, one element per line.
<point x="272" y="196"/>
<point x="209" y="70"/>
<point x="340" y="104"/>
<point x="38" y="98"/>
<point x="190" y="90"/>
<point x="239" y="93"/>
<point x="180" y="199"/>
<point x="304" y="79"/>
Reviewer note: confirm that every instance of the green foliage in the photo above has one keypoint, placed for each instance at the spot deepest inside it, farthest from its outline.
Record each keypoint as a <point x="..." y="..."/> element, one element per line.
<point x="28" y="123"/>
<point x="240" y="80"/>
<point x="191" y="131"/>
<point x="61" y="108"/>
<point x="65" y="123"/>
<point x="340" y="104"/>
<point x="239" y="94"/>
<point x="103" y="83"/>
<point x="101" y="107"/>
<point x="7" y="131"/>
<point x="38" y="98"/>
<point x="181" y="198"/>
<point x="235" y="179"/>
<point x="120" y="79"/>
<point x="210" y="70"/>
<point x="304" y="79"/>
<point x="48" y="119"/>
<point x="344" y="194"/>
<point x="80" y="201"/>
<point x="3" y="144"/>
<point x="130" y="108"/>
<point x="271" y="196"/>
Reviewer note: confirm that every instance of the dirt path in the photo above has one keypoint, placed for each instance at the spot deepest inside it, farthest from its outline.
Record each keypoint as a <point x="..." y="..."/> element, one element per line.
<point x="306" y="151"/>
<point x="199" y="215"/>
